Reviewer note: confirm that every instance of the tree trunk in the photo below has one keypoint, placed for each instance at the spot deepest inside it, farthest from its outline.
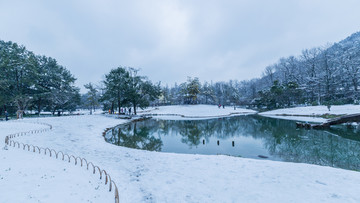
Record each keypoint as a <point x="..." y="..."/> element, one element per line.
<point x="354" y="80"/>
<point x="134" y="105"/>
<point x="119" y="102"/>
<point x="112" y="107"/>
<point x="39" y="107"/>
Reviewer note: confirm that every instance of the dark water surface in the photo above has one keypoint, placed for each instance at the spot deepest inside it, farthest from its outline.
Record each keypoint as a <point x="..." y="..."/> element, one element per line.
<point x="251" y="135"/>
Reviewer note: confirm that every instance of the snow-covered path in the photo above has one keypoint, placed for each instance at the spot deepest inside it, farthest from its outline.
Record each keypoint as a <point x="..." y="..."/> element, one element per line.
<point x="144" y="176"/>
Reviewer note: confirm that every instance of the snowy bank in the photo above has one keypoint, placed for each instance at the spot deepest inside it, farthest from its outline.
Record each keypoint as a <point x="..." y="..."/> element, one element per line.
<point x="144" y="176"/>
<point x="312" y="113"/>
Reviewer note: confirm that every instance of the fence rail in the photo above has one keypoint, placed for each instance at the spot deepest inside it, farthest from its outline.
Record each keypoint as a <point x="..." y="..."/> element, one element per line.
<point x="64" y="157"/>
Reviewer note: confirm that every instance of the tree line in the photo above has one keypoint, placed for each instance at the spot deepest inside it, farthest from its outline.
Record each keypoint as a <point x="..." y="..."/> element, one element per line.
<point x="319" y="76"/>
<point x="30" y="82"/>
<point x="194" y="92"/>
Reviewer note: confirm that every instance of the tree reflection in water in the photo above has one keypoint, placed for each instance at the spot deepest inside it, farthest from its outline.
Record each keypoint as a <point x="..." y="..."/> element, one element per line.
<point x="330" y="147"/>
<point x="135" y="136"/>
<point x="336" y="147"/>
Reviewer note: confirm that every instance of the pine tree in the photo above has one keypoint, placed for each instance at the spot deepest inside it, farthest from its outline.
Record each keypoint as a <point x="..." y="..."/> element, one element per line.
<point x="192" y="90"/>
<point x="92" y="97"/>
<point x="115" y="87"/>
<point x="139" y="91"/>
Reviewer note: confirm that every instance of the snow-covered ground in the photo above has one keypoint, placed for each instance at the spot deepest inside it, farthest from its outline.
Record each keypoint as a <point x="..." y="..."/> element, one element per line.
<point x="298" y="118"/>
<point x="311" y="113"/>
<point x="144" y="176"/>
<point x="29" y="177"/>
<point x="32" y="177"/>
<point x="188" y="112"/>
<point x="316" y="110"/>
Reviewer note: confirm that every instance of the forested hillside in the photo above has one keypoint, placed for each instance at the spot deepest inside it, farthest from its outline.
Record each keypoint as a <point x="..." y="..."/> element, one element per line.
<point x="322" y="75"/>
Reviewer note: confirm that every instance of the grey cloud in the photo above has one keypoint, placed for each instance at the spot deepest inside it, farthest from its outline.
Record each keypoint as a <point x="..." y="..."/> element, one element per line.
<point x="169" y="40"/>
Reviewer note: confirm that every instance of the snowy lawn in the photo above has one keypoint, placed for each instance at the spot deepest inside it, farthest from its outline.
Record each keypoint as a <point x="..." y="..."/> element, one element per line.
<point x="311" y="113"/>
<point x="144" y="176"/>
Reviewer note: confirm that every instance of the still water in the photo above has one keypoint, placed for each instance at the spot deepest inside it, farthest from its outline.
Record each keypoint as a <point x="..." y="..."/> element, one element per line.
<point x="244" y="136"/>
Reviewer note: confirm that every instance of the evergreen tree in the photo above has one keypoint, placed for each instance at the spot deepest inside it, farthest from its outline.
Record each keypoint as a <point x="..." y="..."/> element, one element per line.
<point x="19" y="69"/>
<point x="29" y="81"/>
<point x="92" y="97"/>
<point x="64" y="96"/>
<point x="126" y="88"/>
<point x="192" y="90"/>
<point x="139" y="91"/>
<point x="115" y="87"/>
<point x="208" y="92"/>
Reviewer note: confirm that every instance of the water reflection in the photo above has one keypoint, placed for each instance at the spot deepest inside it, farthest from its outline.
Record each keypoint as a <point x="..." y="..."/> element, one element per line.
<point x="253" y="136"/>
<point x="134" y="137"/>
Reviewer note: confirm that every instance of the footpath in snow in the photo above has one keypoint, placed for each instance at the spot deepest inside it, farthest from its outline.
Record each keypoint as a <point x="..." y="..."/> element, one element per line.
<point x="144" y="176"/>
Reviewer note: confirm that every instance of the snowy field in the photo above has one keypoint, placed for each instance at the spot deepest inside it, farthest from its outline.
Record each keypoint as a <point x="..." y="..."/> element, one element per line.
<point x="144" y="176"/>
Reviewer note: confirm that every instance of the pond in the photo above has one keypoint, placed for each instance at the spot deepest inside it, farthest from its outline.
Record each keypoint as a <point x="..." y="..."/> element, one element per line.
<point x="249" y="136"/>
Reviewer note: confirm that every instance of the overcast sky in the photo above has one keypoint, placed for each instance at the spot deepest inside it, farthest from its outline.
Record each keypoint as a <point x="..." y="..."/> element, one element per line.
<point x="170" y="40"/>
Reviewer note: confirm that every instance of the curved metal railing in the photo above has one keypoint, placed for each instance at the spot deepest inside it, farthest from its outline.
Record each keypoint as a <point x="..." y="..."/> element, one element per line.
<point x="64" y="157"/>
